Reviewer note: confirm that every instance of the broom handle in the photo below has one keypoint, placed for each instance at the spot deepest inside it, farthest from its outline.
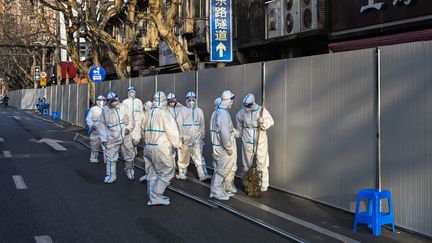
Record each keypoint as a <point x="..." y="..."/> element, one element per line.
<point x="263" y="104"/>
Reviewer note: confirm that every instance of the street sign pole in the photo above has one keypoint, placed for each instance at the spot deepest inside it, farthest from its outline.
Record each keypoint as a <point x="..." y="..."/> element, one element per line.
<point x="221" y="46"/>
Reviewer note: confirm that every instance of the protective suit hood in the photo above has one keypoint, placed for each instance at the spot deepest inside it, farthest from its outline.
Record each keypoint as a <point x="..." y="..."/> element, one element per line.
<point x="249" y="102"/>
<point x="160" y="99"/>
<point x="148" y="105"/>
<point x="227" y="99"/>
<point x="217" y="102"/>
<point x="100" y="101"/>
<point x="249" y="99"/>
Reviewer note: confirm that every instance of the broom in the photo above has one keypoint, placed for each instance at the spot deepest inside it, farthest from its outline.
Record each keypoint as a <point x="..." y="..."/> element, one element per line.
<point x="252" y="178"/>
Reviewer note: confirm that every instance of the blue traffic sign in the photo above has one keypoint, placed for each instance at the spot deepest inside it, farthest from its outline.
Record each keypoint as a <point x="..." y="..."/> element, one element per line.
<point x="221" y="31"/>
<point x="97" y="74"/>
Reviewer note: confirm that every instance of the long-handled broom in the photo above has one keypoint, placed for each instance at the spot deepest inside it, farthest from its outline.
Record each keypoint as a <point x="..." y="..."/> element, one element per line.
<point x="252" y="178"/>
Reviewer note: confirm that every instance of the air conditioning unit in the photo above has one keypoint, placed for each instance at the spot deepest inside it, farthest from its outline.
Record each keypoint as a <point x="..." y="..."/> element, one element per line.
<point x="291" y="18"/>
<point x="274" y="19"/>
<point x="199" y="36"/>
<point x="309" y="15"/>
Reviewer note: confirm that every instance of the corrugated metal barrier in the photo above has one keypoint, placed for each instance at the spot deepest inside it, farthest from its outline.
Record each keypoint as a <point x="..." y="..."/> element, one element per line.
<point x="323" y="145"/>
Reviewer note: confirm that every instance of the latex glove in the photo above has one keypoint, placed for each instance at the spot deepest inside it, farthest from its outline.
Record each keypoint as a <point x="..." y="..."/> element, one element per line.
<point x="236" y="133"/>
<point x="181" y="147"/>
<point x="261" y="124"/>
<point x="229" y="152"/>
<point x="127" y="131"/>
<point x="260" y="121"/>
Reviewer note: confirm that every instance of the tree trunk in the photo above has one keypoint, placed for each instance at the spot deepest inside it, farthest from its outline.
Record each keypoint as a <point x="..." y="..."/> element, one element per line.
<point x="179" y="52"/>
<point x="122" y="63"/>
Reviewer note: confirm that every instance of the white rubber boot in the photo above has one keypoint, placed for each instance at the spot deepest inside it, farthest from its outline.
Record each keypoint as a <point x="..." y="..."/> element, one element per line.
<point x="202" y="173"/>
<point x="94" y="156"/>
<point x="111" y="174"/>
<point x="229" y="183"/>
<point x="182" y="174"/>
<point x="156" y="196"/>
<point x="217" y="190"/>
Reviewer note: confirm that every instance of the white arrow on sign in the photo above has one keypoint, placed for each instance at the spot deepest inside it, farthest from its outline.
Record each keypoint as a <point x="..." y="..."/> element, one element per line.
<point x="51" y="142"/>
<point x="221" y="48"/>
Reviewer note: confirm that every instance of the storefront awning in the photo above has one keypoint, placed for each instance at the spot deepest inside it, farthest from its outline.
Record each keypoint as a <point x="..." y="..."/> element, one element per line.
<point x="421" y="35"/>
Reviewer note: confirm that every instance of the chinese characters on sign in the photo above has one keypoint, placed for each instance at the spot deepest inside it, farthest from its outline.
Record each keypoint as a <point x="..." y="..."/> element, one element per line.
<point x="220" y="31"/>
<point x="405" y="2"/>
<point x="379" y="5"/>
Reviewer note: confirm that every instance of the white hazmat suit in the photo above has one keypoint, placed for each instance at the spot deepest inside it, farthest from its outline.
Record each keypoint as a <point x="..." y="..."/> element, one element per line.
<point x="192" y="131"/>
<point x="93" y="122"/>
<point x="216" y="104"/>
<point x="135" y="106"/>
<point x="147" y="110"/>
<point x="114" y="134"/>
<point x="248" y="124"/>
<point x="223" y="135"/>
<point x="161" y="135"/>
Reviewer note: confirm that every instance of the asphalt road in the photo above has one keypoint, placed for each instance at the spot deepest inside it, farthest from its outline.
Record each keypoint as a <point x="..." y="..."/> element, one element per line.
<point x="63" y="197"/>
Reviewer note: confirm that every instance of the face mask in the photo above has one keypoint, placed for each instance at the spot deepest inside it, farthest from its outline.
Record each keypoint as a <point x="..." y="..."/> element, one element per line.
<point x="100" y="103"/>
<point x="192" y="103"/>
<point x="114" y="103"/>
<point x="229" y="104"/>
<point x="132" y="95"/>
<point x="248" y="107"/>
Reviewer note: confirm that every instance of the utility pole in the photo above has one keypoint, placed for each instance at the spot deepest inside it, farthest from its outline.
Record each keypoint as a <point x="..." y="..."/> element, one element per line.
<point x="43" y="59"/>
<point x="35" y="83"/>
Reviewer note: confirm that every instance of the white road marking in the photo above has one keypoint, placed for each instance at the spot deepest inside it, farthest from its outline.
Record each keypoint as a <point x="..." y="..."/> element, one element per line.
<point x="43" y="239"/>
<point x="19" y="182"/>
<point x="7" y="154"/>
<point x="16" y="117"/>
<point x="53" y="143"/>
<point x="1" y="140"/>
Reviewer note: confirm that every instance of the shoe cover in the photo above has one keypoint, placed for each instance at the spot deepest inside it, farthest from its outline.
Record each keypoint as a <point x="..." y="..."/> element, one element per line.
<point x="130" y="173"/>
<point x="111" y="175"/>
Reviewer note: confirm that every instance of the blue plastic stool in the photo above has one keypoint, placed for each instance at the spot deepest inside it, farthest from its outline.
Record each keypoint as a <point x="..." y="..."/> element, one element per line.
<point x="55" y="115"/>
<point x="373" y="216"/>
<point x="45" y="112"/>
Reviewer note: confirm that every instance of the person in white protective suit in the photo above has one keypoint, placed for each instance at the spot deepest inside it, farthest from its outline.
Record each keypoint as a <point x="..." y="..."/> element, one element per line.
<point x="148" y="105"/>
<point x="147" y="110"/>
<point x="135" y="107"/>
<point x="192" y="130"/>
<point x="216" y="104"/>
<point x="223" y="136"/>
<point x="93" y="122"/>
<point x="248" y="123"/>
<point x="174" y="107"/>
<point x="161" y="135"/>
<point x="117" y="125"/>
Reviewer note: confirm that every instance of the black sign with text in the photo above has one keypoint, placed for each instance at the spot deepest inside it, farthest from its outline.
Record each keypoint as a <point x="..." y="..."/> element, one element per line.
<point x="350" y="14"/>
